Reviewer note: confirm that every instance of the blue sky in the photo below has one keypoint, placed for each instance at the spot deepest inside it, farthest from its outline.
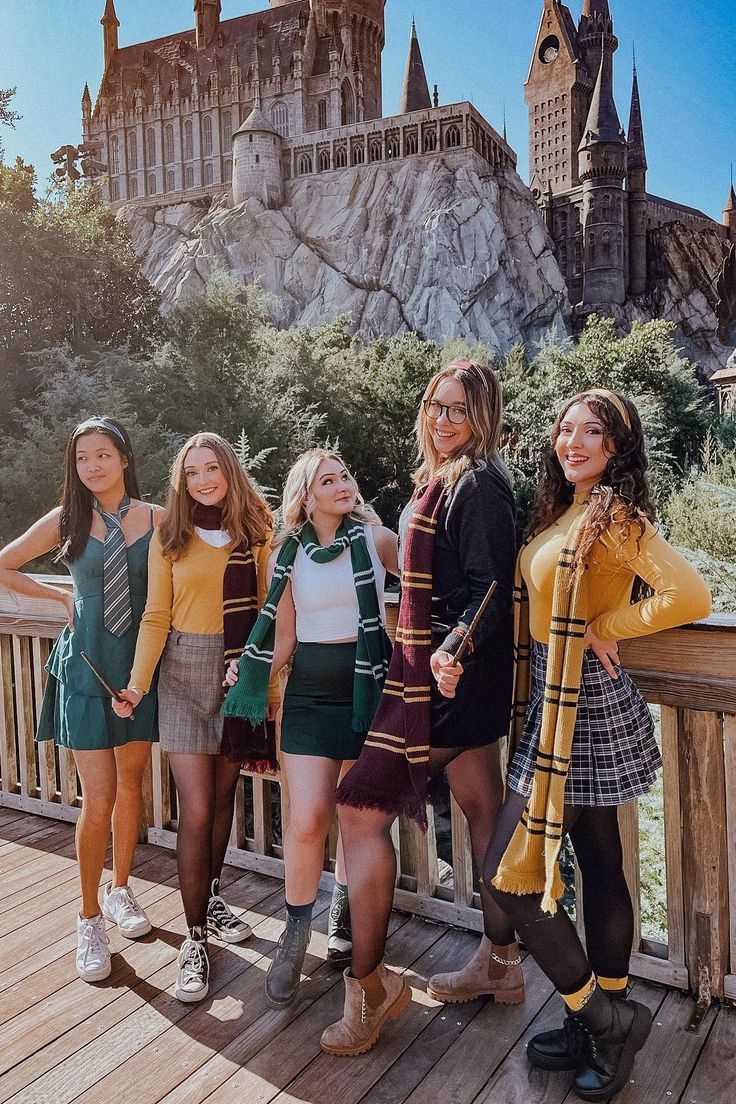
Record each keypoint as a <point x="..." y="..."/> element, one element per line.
<point x="479" y="51"/>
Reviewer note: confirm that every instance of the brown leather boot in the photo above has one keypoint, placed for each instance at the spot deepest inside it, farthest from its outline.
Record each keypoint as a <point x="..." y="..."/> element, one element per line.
<point x="369" y="1003"/>
<point x="492" y="972"/>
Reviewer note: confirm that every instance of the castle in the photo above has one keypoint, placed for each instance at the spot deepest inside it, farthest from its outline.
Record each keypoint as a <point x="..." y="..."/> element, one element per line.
<point x="247" y="105"/>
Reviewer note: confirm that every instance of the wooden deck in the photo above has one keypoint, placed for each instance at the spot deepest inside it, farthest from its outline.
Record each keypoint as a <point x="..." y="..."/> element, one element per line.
<point x="128" y="1041"/>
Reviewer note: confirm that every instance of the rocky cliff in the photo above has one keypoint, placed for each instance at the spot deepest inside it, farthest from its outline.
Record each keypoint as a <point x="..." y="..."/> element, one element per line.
<point x="445" y="250"/>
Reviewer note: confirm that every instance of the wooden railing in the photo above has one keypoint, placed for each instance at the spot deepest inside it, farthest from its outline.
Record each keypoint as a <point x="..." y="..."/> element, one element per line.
<point x="689" y="673"/>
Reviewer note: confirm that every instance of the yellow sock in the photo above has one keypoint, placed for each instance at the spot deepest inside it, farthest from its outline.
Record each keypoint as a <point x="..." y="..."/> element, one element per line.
<point x="613" y="985"/>
<point x="576" y="1001"/>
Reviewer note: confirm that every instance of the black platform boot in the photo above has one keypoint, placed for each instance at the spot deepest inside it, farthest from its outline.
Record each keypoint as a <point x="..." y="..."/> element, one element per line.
<point x="614" y="1031"/>
<point x="563" y="1048"/>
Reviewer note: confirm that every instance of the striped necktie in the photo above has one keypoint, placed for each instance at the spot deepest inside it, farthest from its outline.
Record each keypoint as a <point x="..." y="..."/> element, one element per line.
<point x="118" y="615"/>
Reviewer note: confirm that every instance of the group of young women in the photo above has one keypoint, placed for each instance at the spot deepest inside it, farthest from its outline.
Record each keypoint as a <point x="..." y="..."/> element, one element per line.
<point x="173" y="605"/>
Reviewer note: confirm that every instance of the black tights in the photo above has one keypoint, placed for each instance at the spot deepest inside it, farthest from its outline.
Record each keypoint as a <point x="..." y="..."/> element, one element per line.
<point x="474" y="776"/>
<point x="608" y="914"/>
<point x="205" y="792"/>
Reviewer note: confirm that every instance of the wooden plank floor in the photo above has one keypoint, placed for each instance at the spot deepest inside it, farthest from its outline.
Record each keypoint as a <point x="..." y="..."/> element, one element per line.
<point x="128" y="1041"/>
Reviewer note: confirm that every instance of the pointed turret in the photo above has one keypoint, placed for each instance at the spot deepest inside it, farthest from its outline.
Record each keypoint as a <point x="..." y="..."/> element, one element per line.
<point x="637" y="157"/>
<point x="206" y="21"/>
<point x="603" y="124"/>
<point x="729" y="213"/>
<point x="415" y="92"/>
<point x="636" y="188"/>
<point x="110" y="24"/>
<point x="86" y="99"/>
<point x="592" y="8"/>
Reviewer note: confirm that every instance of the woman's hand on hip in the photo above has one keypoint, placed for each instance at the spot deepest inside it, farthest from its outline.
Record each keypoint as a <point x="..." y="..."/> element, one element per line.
<point x="606" y="650"/>
<point x="131" y="698"/>
<point x="231" y="675"/>
<point x="446" y="673"/>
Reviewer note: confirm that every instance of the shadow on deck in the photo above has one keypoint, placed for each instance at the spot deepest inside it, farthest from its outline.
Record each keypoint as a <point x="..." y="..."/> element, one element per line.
<point x="128" y="1041"/>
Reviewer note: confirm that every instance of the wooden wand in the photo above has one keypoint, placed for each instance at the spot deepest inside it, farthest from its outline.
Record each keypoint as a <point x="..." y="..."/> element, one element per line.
<point x="467" y="640"/>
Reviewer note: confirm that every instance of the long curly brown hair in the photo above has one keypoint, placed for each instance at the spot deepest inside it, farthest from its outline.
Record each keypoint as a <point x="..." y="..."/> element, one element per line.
<point x="622" y="492"/>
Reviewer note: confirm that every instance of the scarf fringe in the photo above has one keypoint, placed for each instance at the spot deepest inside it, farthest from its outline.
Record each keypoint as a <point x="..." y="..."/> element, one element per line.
<point x="259" y="766"/>
<point x="356" y="797"/>
<point x="521" y="882"/>
<point x="246" y="709"/>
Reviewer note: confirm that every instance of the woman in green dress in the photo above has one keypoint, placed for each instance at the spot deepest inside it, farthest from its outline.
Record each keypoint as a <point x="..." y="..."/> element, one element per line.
<point x="101" y="530"/>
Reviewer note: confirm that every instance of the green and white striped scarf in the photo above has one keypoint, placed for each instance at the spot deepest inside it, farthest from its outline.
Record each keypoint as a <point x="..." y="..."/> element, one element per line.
<point x="248" y="698"/>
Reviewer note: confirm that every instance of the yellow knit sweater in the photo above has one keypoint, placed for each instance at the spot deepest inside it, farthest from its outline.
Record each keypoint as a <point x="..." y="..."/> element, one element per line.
<point x="680" y="594"/>
<point x="186" y="594"/>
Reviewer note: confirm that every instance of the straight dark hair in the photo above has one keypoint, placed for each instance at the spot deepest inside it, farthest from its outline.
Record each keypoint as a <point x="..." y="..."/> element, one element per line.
<point x="76" y="499"/>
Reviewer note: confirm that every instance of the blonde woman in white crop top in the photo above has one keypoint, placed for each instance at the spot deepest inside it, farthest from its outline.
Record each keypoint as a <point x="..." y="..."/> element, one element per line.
<point x="317" y="623"/>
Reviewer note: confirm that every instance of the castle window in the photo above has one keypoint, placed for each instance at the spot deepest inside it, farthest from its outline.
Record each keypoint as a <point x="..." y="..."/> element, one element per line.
<point x="209" y="174"/>
<point x="188" y="141"/>
<point x="115" y="190"/>
<point x="322" y="115"/>
<point x="452" y="137"/>
<point x="227" y="129"/>
<point x="375" y="150"/>
<point x="228" y="171"/>
<point x="207" y="136"/>
<point x="280" y="119"/>
<point x="189" y="177"/>
<point x="151" y="183"/>
<point x="170" y="181"/>
<point x="304" y="164"/>
<point x="133" y="189"/>
<point x="168" y="143"/>
<point x="392" y="147"/>
<point x="324" y="161"/>
<point x="258" y="159"/>
<point x="341" y="157"/>
<point x="115" y="154"/>
<point x="150" y="146"/>
<point x="347" y="101"/>
<point x="430" y="140"/>
<point x="132" y="151"/>
<point x="411" y="144"/>
<point x="358" y="154"/>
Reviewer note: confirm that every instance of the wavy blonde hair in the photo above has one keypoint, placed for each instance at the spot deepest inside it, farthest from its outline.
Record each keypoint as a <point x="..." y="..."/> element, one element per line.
<point x="245" y="515"/>
<point x="298" y="501"/>
<point x="484" y="404"/>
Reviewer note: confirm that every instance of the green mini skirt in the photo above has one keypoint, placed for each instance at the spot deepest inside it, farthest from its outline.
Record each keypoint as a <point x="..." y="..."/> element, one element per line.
<point x="318" y="704"/>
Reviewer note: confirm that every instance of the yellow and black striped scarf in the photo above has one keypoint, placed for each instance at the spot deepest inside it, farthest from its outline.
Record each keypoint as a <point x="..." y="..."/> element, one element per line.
<point x="530" y="862"/>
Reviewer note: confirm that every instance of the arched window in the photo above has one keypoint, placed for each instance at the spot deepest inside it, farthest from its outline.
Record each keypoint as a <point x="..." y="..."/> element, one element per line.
<point x="132" y="150"/>
<point x="452" y="137"/>
<point x="341" y="157"/>
<point x="188" y="141"/>
<point x="189" y="177"/>
<point x="392" y="147"/>
<point x="411" y="144"/>
<point x="347" y="99"/>
<point x="280" y="119"/>
<point x="227" y="130"/>
<point x="322" y="115"/>
<point x="228" y="171"/>
<point x="170" y="181"/>
<point x="209" y="174"/>
<point x="151" y="183"/>
<point x="324" y="161"/>
<point x="168" y="143"/>
<point x="114" y="154"/>
<point x="207" y="136"/>
<point x="304" y="165"/>
<point x="114" y="190"/>
<point x="150" y="146"/>
<point x="133" y="189"/>
<point x="358" y="153"/>
<point x="430" y="141"/>
<point x="375" y="151"/>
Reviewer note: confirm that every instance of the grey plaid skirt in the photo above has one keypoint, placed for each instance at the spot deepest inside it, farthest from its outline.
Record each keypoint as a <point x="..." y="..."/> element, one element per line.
<point x="190" y="693"/>
<point x="614" y="753"/>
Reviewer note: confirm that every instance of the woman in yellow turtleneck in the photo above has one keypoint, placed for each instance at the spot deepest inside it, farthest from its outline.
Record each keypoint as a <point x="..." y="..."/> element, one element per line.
<point x="596" y="557"/>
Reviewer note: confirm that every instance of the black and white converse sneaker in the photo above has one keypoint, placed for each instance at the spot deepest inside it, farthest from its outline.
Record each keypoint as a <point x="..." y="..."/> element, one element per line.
<point x="222" y="921"/>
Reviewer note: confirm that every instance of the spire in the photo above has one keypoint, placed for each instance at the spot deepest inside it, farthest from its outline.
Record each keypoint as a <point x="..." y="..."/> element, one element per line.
<point x="731" y="201"/>
<point x="602" y="124"/>
<point x="110" y="24"/>
<point x="637" y="154"/>
<point x="110" y="17"/>
<point x="86" y="98"/>
<point x="415" y="92"/>
<point x="592" y="8"/>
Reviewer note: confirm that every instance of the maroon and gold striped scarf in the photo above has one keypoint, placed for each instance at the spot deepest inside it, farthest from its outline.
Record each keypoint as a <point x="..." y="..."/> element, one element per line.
<point x="391" y="773"/>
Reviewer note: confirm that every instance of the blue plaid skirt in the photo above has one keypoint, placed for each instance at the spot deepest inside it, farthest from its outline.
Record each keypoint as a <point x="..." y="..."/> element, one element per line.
<point x="614" y="753"/>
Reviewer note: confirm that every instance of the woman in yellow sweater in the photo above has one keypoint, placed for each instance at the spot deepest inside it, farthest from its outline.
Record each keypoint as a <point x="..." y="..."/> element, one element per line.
<point x="207" y="579"/>
<point x="594" y="571"/>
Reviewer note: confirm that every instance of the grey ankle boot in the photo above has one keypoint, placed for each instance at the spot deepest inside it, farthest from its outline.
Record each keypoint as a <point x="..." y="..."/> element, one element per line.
<point x="284" y="973"/>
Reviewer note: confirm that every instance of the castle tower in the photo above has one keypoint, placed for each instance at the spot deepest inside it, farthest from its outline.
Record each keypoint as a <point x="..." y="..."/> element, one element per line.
<point x="729" y="214"/>
<point x="636" y="190"/>
<point x="110" y="24"/>
<point x="595" y="21"/>
<point x="257" y="172"/>
<point x="206" y="21"/>
<point x="415" y="91"/>
<point x="359" y="28"/>
<point x="602" y="168"/>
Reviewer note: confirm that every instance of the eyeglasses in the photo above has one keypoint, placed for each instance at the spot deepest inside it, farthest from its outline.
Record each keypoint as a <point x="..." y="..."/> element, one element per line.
<point x="435" y="410"/>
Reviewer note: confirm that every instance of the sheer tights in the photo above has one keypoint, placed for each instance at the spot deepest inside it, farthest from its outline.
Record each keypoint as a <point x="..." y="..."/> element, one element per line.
<point x="370" y="859"/>
<point x="607" y="910"/>
<point x="205" y="791"/>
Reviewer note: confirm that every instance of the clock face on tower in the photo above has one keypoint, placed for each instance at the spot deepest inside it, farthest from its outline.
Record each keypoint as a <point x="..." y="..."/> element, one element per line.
<point x="549" y="50"/>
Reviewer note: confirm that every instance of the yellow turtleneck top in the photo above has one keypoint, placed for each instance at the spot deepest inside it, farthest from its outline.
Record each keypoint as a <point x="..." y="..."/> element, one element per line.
<point x="186" y="595"/>
<point x="680" y="594"/>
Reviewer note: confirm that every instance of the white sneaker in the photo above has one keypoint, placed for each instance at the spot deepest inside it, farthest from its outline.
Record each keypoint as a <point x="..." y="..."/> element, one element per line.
<point x="193" y="981"/>
<point x="222" y="922"/>
<point x="120" y="906"/>
<point x="93" y="955"/>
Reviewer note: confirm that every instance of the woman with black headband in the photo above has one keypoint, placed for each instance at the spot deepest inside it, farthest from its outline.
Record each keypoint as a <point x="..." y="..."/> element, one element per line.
<point x="102" y="531"/>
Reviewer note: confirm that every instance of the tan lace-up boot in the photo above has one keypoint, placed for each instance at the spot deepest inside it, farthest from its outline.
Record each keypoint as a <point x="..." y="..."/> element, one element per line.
<point x="492" y="972"/>
<point x="369" y="1004"/>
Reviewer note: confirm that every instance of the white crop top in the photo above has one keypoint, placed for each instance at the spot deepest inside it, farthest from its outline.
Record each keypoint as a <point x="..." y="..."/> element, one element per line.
<point x="324" y="595"/>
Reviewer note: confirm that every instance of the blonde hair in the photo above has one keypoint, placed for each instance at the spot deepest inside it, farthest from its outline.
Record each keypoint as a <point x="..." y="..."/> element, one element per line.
<point x="245" y="515"/>
<point x="298" y="501"/>
<point x="484" y="404"/>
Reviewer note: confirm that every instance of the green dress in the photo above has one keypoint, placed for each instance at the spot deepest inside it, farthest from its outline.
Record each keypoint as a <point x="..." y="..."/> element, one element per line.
<point x="77" y="712"/>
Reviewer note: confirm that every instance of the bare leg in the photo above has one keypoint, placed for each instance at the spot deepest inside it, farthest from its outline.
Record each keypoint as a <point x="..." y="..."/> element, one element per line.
<point x="130" y="762"/>
<point x="312" y="782"/>
<point x="340" y="875"/>
<point x="98" y="777"/>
